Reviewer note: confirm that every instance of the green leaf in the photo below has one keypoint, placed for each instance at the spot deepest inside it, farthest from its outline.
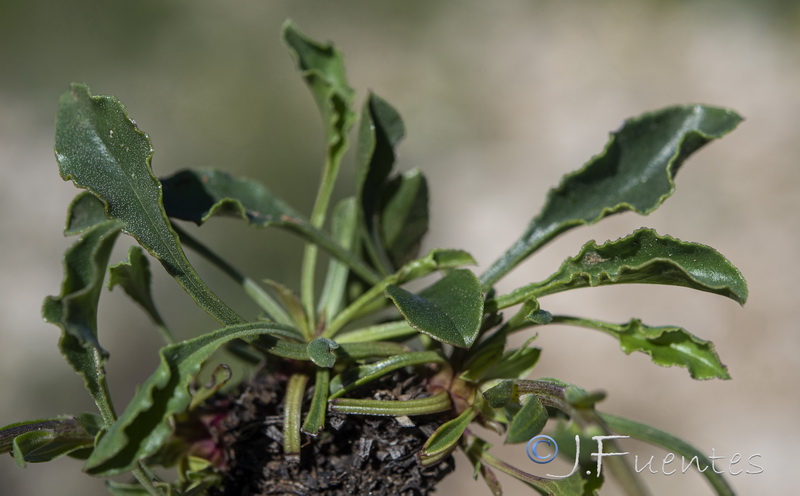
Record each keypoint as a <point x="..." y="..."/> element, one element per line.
<point x="102" y="150"/>
<point x="451" y="310"/>
<point x="85" y="211"/>
<point x="322" y="68"/>
<point x="199" y="194"/>
<point x="75" y="309"/>
<point x="635" y="172"/>
<point x="380" y="130"/>
<point x="355" y="377"/>
<point x="404" y="216"/>
<point x="666" y="345"/>
<point x="145" y="424"/>
<point x="134" y="277"/>
<point x="642" y="257"/>
<point x="433" y="261"/>
<point x="528" y="421"/>
<point x="516" y="364"/>
<point x="445" y="439"/>
<point x="322" y="352"/>
<point x="43" y="440"/>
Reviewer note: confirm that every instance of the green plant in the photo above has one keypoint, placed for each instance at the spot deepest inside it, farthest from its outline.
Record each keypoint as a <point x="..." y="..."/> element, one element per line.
<point x="365" y="324"/>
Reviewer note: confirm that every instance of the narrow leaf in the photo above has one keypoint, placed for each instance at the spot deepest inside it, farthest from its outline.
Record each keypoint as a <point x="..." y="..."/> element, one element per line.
<point x="102" y="150"/>
<point x="635" y="172"/>
<point x="445" y="439"/>
<point x="75" y="309"/>
<point x="439" y="402"/>
<point x="293" y="403"/>
<point x="642" y="257"/>
<point x="666" y="345"/>
<point x="516" y="364"/>
<point x="145" y="424"/>
<point x="43" y="440"/>
<point x="451" y="310"/>
<point x="358" y="376"/>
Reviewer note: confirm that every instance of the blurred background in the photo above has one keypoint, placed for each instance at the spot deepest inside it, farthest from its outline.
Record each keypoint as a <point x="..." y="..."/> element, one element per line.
<point x="500" y="100"/>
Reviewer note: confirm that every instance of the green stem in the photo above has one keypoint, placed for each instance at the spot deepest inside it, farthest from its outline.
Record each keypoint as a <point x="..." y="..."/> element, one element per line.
<point x="349" y="313"/>
<point x="318" y="214"/>
<point x="379" y="332"/>
<point x="438" y="402"/>
<point x="146" y="481"/>
<point x="263" y="299"/>
<point x="671" y="443"/>
<point x="291" y="414"/>
<point x="315" y="420"/>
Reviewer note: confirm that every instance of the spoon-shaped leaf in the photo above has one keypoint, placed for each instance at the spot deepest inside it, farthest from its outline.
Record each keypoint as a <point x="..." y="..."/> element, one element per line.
<point x="102" y="150"/>
<point x="666" y="345"/>
<point x="642" y="257"/>
<point x="75" y="309"/>
<point x="634" y="172"/>
<point x="450" y="311"/>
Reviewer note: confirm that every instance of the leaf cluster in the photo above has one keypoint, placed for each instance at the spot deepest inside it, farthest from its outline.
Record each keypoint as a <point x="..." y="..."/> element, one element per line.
<point x="366" y="321"/>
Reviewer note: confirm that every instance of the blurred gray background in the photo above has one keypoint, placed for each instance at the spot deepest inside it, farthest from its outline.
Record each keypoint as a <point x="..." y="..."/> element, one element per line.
<point x="500" y="100"/>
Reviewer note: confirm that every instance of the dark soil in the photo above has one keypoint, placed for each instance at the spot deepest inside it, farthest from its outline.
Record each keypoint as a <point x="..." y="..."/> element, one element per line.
<point x="355" y="454"/>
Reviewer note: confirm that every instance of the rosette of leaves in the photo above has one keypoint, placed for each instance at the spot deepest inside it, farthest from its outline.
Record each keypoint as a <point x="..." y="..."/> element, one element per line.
<point x="364" y="322"/>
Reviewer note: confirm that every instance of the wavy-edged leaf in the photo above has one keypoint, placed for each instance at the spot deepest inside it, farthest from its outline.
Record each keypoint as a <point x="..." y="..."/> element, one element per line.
<point x="75" y="309"/>
<point x="358" y="376"/>
<point x="133" y="275"/>
<point x="144" y="426"/>
<point x="450" y="310"/>
<point x="666" y="345"/>
<point x="102" y="150"/>
<point x="35" y="441"/>
<point x="85" y="211"/>
<point x="635" y="172"/>
<point x="322" y="68"/>
<point x="445" y="439"/>
<point x="404" y="216"/>
<point x="642" y="257"/>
